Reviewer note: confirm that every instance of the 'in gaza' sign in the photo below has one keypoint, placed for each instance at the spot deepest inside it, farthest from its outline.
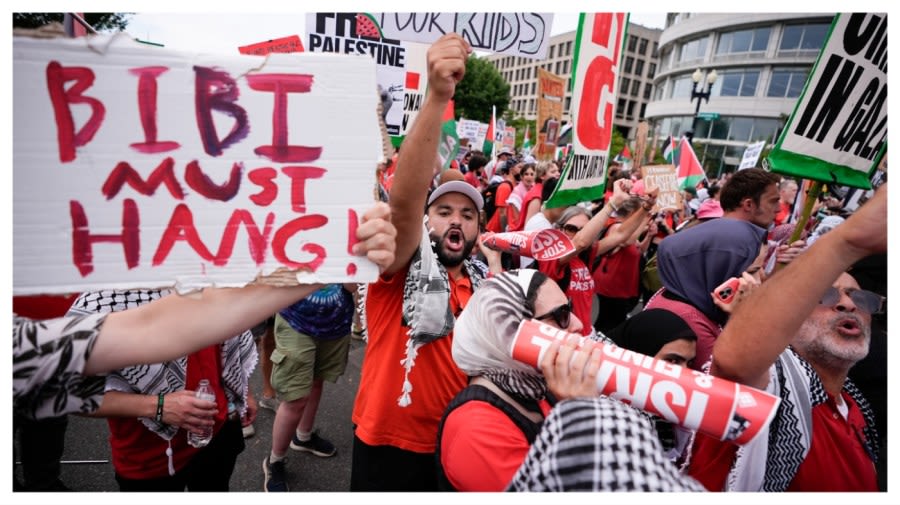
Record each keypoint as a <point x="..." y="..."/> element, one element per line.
<point x="145" y="167"/>
<point x="838" y="131"/>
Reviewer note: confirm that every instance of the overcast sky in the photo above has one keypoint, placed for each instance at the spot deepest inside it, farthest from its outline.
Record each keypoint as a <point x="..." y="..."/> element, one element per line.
<point x="225" y="32"/>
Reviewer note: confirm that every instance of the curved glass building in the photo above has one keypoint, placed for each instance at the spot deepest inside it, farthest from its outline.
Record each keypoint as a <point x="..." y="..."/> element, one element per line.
<point x="761" y="62"/>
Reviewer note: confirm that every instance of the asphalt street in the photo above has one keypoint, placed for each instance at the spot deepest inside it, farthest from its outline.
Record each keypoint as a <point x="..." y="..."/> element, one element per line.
<point x="87" y="467"/>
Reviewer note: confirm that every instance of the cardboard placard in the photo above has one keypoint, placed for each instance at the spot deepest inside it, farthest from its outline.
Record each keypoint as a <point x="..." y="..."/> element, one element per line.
<point x="516" y="33"/>
<point x="665" y="178"/>
<point x="136" y="166"/>
<point x="715" y="406"/>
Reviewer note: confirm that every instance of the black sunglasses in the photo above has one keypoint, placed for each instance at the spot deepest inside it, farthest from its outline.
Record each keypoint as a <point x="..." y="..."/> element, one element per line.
<point x="866" y="301"/>
<point x="561" y="314"/>
<point x="571" y="228"/>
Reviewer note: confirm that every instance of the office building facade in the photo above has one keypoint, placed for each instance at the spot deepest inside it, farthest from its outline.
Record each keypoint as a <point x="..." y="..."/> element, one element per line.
<point x="638" y="70"/>
<point x="762" y="62"/>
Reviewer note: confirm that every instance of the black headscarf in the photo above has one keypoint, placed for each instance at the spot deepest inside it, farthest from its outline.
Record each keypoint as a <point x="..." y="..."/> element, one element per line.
<point x="648" y="331"/>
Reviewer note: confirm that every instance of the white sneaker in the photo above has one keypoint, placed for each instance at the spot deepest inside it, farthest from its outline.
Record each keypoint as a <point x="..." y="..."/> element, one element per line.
<point x="249" y="431"/>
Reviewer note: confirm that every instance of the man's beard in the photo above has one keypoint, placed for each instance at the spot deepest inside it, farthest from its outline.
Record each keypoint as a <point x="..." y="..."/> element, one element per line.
<point x="448" y="258"/>
<point x="819" y="342"/>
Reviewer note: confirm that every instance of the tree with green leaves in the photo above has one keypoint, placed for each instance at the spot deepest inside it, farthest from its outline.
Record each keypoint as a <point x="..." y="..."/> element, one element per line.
<point x="482" y="88"/>
<point x="100" y="21"/>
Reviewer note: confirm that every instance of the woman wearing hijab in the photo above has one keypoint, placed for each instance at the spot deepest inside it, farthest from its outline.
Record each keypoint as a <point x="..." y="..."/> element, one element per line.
<point x="666" y="337"/>
<point x="488" y="428"/>
<point x="572" y="272"/>
<point x="693" y="263"/>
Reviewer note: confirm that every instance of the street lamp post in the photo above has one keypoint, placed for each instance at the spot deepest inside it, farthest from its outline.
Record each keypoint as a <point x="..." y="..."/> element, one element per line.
<point x="701" y="95"/>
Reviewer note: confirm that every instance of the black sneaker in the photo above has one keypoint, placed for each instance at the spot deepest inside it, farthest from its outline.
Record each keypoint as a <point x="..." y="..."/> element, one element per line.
<point x="274" y="475"/>
<point x="316" y="445"/>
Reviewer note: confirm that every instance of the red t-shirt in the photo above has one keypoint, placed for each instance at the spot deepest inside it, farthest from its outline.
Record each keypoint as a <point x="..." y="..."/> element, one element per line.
<point x="472" y="179"/>
<point x="837" y="458"/>
<point x="481" y="447"/>
<point x="140" y="454"/>
<point x="503" y="192"/>
<point x="580" y="289"/>
<point x="784" y="213"/>
<point x="533" y="194"/>
<point x="617" y="275"/>
<point x="435" y="378"/>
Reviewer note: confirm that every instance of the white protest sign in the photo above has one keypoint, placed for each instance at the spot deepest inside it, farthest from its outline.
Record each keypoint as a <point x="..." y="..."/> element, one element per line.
<point x="415" y="82"/>
<point x="516" y="33"/>
<point x="345" y="33"/>
<point x="838" y="131"/>
<point x="136" y="166"/>
<point x="468" y="129"/>
<point x="751" y="155"/>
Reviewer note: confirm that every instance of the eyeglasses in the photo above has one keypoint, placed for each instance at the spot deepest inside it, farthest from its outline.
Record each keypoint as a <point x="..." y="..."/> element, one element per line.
<point x="561" y="314"/>
<point x="865" y="301"/>
<point x="571" y="228"/>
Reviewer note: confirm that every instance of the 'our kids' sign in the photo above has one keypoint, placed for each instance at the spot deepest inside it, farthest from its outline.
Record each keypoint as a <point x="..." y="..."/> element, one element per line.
<point x="136" y="166"/>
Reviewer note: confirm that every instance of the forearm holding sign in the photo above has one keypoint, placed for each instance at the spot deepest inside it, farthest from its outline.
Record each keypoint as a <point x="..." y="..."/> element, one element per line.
<point x="177" y="325"/>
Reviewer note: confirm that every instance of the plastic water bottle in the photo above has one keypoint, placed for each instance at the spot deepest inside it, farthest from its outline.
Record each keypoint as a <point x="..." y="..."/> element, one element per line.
<point x="204" y="392"/>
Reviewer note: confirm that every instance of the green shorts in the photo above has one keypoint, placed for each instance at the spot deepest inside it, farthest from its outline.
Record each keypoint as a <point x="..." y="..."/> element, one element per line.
<point x="298" y="359"/>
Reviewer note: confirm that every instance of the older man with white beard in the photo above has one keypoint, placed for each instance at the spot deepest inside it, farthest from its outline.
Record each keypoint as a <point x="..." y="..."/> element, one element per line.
<point x="797" y="336"/>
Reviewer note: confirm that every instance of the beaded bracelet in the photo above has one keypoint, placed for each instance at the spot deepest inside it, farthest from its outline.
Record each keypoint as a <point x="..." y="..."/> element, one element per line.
<point x="159" y="408"/>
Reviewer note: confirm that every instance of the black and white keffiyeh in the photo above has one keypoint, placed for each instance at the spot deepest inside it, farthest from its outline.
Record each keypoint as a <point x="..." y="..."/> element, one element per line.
<point x="426" y="303"/>
<point x="598" y="444"/>
<point x="239" y="357"/>
<point x="770" y="461"/>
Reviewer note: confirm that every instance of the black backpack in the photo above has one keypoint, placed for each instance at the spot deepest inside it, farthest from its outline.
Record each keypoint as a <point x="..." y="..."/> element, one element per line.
<point x="490" y="199"/>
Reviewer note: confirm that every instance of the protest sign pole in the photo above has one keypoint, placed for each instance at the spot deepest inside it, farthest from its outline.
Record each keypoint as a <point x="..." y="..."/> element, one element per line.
<point x="814" y="190"/>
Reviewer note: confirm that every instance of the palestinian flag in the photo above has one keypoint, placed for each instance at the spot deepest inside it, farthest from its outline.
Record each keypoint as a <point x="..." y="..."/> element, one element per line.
<point x="449" y="142"/>
<point x="626" y="153"/>
<point x="690" y="172"/>
<point x="670" y="151"/>
<point x="488" y="146"/>
<point x="526" y="142"/>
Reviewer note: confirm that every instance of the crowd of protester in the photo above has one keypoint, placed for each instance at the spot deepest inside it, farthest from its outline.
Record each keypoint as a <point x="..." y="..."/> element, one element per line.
<point x="442" y="404"/>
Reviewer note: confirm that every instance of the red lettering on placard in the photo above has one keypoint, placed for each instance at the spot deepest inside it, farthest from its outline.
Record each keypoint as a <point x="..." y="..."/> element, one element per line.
<point x="147" y="90"/>
<point x="600" y="75"/>
<point x="257" y="240"/>
<point x="83" y="240"/>
<point x="216" y="90"/>
<point x="181" y="227"/>
<point x="281" y="85"/>
<point x="264" y="178"/>
<point x="123" y="174"/>
<point x="286" y="232"/>
<point x="352" y="225"/>
<point x="61" y="98"/>
<point x="201" y="182"/>
<point x="298" y="177"/>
